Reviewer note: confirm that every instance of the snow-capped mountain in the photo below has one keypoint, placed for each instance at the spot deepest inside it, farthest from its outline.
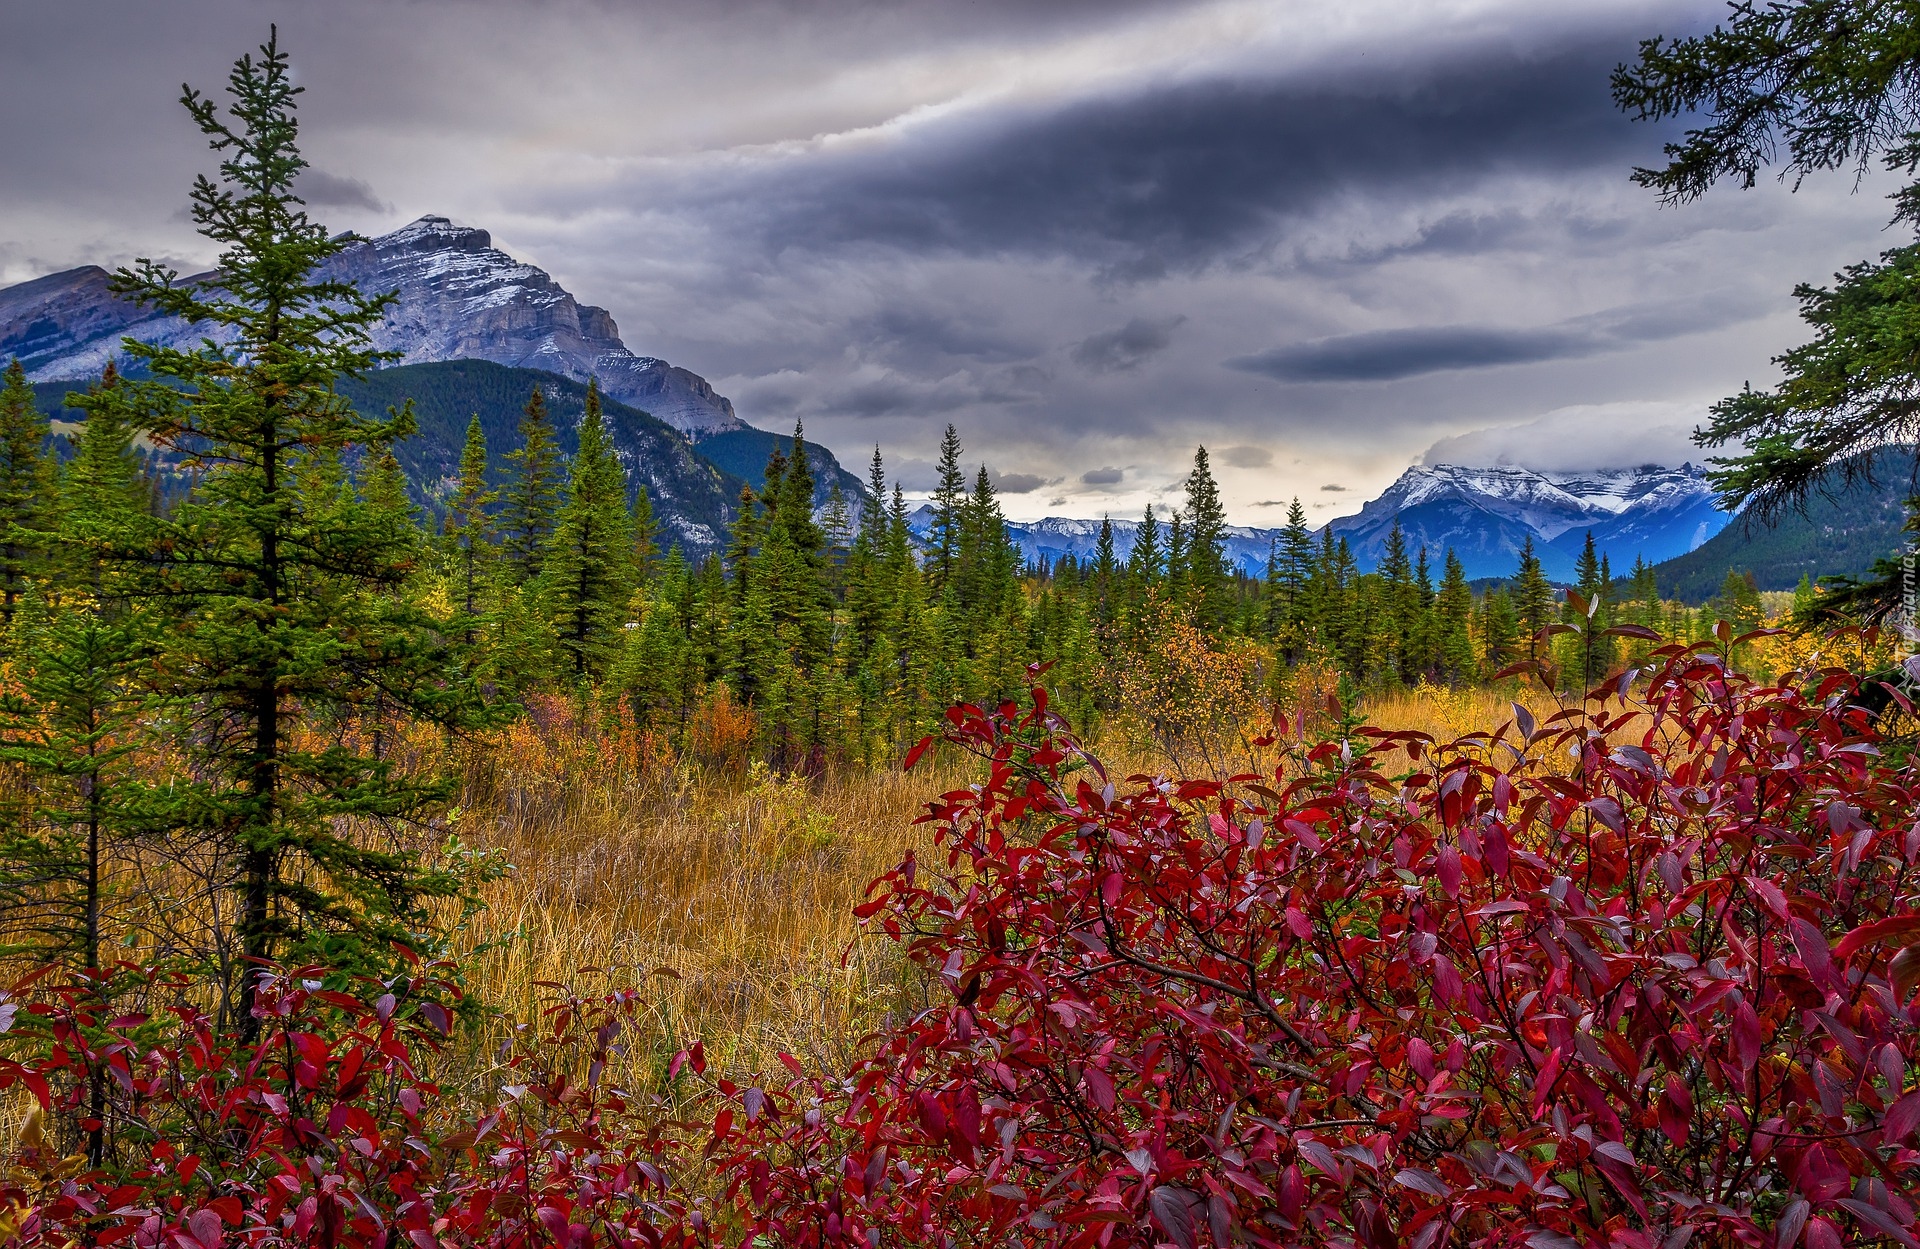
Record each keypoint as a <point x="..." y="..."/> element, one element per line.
<point x="1486" y="514"/>
<point x="460" y="298"/>
<point x="1056" y="536"/>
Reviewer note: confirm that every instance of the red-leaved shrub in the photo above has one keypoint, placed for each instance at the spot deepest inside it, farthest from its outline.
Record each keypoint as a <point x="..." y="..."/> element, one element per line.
<point x="1638" y="976"/>
<point x="323" y="1132"/>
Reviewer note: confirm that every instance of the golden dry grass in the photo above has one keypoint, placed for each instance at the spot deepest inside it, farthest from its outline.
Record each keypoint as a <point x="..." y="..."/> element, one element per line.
<point x="728" y="896"/>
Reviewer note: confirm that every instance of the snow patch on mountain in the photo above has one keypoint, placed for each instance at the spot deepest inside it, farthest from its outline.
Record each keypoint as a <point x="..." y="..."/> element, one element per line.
<point x="459" y="298"/>
<point x="1484" y="515"/>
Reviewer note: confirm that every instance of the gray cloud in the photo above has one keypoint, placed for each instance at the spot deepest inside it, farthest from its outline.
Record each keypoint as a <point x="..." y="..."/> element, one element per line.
<point x="1385" y="355"/>
<point x="1244" y="457"/>
<point x="1580" y="437"/>
<point x="1020" y="483"/>
<point x="1181" y="176"/>
<point x="884" y="217"/>
<point x="321" y="189"/>
<point x="1331" y="488"/>
<point x="1125" y="348"/>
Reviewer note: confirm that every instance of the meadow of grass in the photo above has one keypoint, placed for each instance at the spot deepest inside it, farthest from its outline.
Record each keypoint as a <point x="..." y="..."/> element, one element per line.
<point x="725" y="893"/>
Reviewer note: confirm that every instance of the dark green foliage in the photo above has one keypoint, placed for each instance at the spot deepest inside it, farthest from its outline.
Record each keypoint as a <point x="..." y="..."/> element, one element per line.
<point x="469" y="528"/>
<point x="948" y="499"/>
<point x="1209" y="585"/>
<point x="532" y="491"/>
<point x="71" y="723"/>
<point x="1533" y="599"/>
<point x="1827" y="83"/>
<point x="741" y="454"/>
<point x="586" y="565"/>
<point x="103" y="492"/>
<point x="1818" y="84"/>
<point x="1840" y="531"/>
<point x="1453" y="608"/>
<point x="280" y="604"/>
<point x="26" y="495"/>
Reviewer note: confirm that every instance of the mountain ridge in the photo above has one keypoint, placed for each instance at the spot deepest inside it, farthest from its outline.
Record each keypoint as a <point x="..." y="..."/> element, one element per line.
<point x="460" y="298"/>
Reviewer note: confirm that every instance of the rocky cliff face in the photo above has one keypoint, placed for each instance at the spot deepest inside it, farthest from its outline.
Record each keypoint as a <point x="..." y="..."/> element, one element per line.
<point x="460" y="298"/>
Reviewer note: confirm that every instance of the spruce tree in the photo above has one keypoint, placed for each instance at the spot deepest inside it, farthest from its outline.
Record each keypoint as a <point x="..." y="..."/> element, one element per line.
<point x="646" y="538"/>
<point x="949" y="499"/>
<point x="1144" y="566"/>
<point x="743" y="541"/>
<point x="102" y="493"/>
<point x="1499" y="630"/>
<point x="71" y="721"/>
<point x="532" y="495"/>
<point x="1210" y="584"/>
<point x="469" y="527"/>
<point x="281" y="611"/>
<point x="586" y="566"/>
<point x="26" y="497"/>
<point x="1453" y="610"/>
<point x="1533" y="598"/>
<point x="1176" y="578"/>
<point x="1401" y="605"/>
<point x="1586" y="569"/>
<point x="383" y="486"/>
<point x="873" y="508"/>
<point x="1104" y="582"/>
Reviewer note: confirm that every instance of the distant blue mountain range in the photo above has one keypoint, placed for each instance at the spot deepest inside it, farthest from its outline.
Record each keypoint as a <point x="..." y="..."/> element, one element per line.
<point x="1484" y="515"/>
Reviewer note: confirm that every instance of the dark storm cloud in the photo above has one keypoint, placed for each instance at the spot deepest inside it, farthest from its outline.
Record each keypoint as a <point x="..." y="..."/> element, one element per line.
<point x="1019" y="483"/>
<point x="1175" y="178"/>
<point x="1384" y="355"/>
<point x="1388" y="355"/>
<point x="1126" y="347"/>
<point x="1103" y="476"/>
<point x="321" y="189"/>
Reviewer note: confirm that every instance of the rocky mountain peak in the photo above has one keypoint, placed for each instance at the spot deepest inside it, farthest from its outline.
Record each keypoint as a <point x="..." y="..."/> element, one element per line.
<point x="460" y="298"/>
<point x="435" y="233"/>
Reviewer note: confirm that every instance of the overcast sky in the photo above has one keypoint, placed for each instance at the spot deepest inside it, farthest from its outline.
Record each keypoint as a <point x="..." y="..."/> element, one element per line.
<point x="1326" y="240"/>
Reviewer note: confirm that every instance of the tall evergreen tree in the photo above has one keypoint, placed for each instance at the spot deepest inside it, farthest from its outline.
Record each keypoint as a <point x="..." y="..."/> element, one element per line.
<point x="1586" y="569"/>
<point x="26" y="502"/>
<point x="532" y="494"/>
<point x="1499" y="630"/>
<point x="1533" y="597"/>
<point x="1453" y="611"/>
<point x="101" y="493"/>
<point x="72" y="720"/>
<point x="1176" y="578"/>
<point x="586" y="567"/>
<point x="1145" y="564"/>
<point x="949" y="499"/>
<point x="469" y="526"/>
<point x="283" y="611"/>
<point x="1104" y="578"/>
<point x="873" y="508"/>
<point x="646" y="538"/>
<point x="1208" y="578"/>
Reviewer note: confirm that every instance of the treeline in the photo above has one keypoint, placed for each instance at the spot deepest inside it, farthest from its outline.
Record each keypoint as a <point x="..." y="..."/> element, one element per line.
<point x="839" y="632"/>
